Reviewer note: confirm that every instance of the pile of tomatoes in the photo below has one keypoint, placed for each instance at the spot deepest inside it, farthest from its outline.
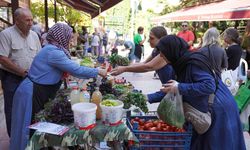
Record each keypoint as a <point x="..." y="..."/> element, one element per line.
<point x="154" y="125"/>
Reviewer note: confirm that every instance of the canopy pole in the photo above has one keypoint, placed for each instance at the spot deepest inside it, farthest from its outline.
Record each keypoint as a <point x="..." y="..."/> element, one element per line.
<point x="14" y="6"/>
<point x="46" y="15"/>
<point x="55" y="12"/>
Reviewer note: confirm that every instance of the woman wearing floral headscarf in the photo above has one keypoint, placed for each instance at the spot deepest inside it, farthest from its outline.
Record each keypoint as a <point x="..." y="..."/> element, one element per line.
<point x="43" y="81"/>
<point x="196" y="81"/>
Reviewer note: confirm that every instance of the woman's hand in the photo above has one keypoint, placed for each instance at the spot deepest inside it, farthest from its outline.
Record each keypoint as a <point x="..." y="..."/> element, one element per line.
<point x="102" y="72"/>
<point x="171" y="86"/>
<point x="118" y="70"/>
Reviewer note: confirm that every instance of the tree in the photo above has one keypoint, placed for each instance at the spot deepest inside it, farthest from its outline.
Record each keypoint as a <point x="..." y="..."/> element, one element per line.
<point x="64" y="13"/>
<point x="118" y="17"/>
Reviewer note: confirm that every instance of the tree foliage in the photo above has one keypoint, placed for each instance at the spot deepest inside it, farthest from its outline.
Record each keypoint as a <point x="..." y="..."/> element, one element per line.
<point x="64" y="14"/>
<point x="118" y="17"/>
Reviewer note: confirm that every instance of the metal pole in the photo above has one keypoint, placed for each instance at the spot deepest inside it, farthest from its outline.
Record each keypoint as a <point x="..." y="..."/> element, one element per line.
<point x="132" y="6"/>
<point x="14" y="6"/>
<point x="46" y="15"/>
<point x="55" y="16"/>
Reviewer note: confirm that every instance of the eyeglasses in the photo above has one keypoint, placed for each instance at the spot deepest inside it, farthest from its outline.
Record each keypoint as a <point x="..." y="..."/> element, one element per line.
<point x="184" y="25"/>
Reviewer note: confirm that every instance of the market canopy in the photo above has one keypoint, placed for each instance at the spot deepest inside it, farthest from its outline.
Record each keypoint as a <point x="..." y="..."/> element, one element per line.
<point x="218" y="11"/>
<point x="92" y="7"/>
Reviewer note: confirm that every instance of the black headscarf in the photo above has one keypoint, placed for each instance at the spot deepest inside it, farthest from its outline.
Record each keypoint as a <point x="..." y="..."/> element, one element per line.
<point x="175" y="49"/>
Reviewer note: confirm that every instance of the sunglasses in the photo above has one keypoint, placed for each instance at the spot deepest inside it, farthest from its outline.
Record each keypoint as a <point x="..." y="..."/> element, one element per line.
<point x="184" y="25"/>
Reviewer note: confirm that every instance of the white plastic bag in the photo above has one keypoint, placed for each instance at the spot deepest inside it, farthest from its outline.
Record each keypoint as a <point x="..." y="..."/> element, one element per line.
<point x="229" y="81"/>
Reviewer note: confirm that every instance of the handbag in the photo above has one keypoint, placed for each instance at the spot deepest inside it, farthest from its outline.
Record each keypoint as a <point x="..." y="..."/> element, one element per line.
<point x="201" y="121"/>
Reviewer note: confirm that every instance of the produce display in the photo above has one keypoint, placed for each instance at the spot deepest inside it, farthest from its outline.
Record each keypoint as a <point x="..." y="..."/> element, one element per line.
<point x="154" y="125"/>
<point x="106" y="87"/>
<point x="109" y="103"/>
<point x="116" y="59"/>
<point x="109" y="96"/>
<point x="86" y="61"/>
<point x="135" y="98"/>
<point x="119" y="89"/>
<point x="57" y="110"/>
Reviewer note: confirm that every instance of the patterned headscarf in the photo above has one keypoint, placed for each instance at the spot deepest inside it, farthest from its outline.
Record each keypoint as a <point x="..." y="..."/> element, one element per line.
<point x="59" y="35"/>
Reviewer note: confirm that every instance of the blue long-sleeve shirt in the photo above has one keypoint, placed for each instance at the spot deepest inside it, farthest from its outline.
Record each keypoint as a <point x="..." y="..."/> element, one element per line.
<point x="165" y="73"/>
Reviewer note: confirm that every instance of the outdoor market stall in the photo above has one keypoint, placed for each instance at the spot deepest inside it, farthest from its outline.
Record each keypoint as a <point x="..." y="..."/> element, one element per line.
<point x="147" y="131"/>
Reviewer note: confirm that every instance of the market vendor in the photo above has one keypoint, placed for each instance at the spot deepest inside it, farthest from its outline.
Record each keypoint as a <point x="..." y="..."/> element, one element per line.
<point x="153" y="62"/>
<point x="43" y="81"/>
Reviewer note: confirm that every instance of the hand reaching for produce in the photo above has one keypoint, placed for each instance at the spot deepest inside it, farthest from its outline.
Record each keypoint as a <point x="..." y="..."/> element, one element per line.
<point x="118" y="70"/>
<point x="102" y="72"/>
<point x="171" y="86"/>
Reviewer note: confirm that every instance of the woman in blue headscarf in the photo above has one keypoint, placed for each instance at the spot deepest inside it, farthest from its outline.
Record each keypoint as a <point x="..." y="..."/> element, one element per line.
<point x="196" y="80"/>
<point x="43" y="81"/>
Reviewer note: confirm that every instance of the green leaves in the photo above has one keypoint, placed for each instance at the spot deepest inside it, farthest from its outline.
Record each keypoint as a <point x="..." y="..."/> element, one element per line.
<point x="64" y="13"/>
<point x="119" y="60"/>
<point x="137" y="99"/>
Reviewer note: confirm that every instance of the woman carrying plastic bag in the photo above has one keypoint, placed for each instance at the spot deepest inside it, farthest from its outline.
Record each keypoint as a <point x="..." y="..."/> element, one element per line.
<point x="196" y="83"/>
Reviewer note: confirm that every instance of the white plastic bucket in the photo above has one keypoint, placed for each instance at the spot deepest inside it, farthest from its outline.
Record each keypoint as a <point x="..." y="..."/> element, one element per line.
<point x="84" y="115"/>
<point x="112" y="115"/>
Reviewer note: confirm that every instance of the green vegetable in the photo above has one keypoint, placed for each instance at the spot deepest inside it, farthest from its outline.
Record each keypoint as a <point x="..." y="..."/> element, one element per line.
<point x="171" y="112"/>
<point x="109" y="96"/>
<point x="120" y="89"/>
<point x="86" y="61"/>
<point x="109" y="103"/>
<point x="118" y="60"/>
<point x="135" y="98"/>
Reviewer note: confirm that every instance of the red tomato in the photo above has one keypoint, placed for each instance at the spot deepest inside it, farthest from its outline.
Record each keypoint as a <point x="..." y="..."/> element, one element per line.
<point x="178" y="130"/>
<point x="159" y="125"/>
<point x="163" y="125"/>
<point x="132" y="121"/>
<point x="153" y="129"/>
<point x="174" y="128"/>
<point x="156" y="122"/>
<point x="165" y="129"/>
<point x="141" y="128"/>
<point x="161" y="121"/>
<point x="141" y="121"/>
<point x="148" y="125"/>
<point x="137" y="119"/>
<point x="182" y="130"/>
<point x="149" y="121"/>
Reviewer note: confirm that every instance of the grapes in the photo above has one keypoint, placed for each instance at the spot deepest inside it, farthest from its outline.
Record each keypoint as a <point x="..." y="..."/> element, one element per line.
<point x="105" y="87"/>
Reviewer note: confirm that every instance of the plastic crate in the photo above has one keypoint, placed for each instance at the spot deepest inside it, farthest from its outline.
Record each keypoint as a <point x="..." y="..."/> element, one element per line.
<point x="159" y="140"/>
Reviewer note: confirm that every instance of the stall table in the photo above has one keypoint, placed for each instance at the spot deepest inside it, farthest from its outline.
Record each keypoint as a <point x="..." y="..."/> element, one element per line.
<point x="75" y="136"/>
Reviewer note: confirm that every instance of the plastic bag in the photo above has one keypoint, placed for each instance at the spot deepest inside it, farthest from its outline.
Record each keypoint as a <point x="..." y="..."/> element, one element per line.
<point x="170" y="110"/>
<point x="243" y="97"/>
